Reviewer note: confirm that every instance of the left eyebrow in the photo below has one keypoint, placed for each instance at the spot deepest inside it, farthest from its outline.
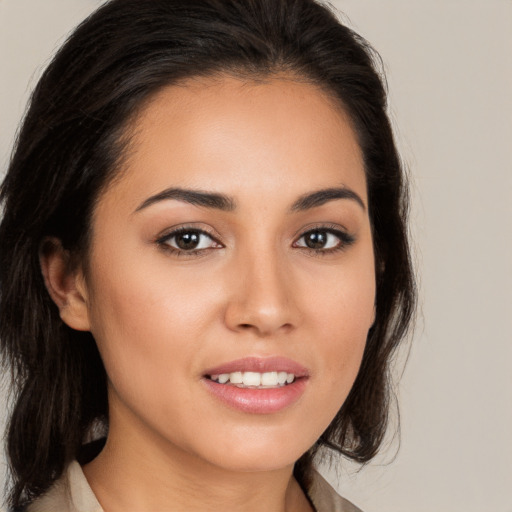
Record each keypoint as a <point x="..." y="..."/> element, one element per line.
<point x="320" y="197"/>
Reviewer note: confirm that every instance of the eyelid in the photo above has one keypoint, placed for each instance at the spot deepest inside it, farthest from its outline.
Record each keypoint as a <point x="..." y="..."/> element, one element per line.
<point x="180" y="228"/>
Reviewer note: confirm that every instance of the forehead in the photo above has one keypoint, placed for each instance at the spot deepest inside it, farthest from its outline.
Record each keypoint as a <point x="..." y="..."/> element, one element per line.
<point x="236" y="136"/>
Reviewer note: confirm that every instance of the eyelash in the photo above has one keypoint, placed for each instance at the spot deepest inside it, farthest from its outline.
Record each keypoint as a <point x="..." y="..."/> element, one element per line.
<point x="345" y="241"/>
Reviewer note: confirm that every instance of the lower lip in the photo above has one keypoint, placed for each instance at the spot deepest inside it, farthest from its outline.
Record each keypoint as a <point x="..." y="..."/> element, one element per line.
<point x="258" y="401"/>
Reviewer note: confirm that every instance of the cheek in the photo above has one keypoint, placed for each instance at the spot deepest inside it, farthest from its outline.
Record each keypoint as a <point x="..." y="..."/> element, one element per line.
<point x="148" y="330"/>
<point x="342" y="311"/>
<point x="342" y="298"/>
<point x="146" y="319"/>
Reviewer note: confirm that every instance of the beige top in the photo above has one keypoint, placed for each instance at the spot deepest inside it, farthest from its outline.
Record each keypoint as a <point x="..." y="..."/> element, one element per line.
<point x="72" y="493"/>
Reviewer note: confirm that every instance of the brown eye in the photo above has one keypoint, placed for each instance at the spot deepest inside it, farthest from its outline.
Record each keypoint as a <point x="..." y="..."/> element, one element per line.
<point x="188" y="240"/>
<point x="316" y="239"/>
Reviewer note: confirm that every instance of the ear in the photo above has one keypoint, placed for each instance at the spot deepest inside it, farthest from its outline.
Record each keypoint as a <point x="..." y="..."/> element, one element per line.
<point x="65" y="284"/>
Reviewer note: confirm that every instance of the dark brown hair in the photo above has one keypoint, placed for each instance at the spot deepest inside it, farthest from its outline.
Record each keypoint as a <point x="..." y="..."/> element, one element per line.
<point x="69" y="148"/>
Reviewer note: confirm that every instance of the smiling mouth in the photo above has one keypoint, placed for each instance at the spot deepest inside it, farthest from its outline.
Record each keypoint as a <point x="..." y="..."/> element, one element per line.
<point x="257" y="385"/>
<point x="254" y="380"/>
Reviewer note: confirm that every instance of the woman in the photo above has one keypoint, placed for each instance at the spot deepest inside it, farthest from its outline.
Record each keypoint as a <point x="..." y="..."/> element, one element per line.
<point x="204" y="265"/>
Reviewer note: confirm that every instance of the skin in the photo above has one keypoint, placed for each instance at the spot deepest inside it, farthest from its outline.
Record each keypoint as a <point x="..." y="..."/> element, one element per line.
<point x="160" y="319"/>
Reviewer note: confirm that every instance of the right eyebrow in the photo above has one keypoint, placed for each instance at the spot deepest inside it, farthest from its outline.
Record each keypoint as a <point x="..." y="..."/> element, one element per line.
<point x="196" y="197"/>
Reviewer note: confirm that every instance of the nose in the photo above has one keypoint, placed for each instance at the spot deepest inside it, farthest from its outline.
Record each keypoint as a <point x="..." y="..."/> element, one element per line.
<point x="263" y="296"/>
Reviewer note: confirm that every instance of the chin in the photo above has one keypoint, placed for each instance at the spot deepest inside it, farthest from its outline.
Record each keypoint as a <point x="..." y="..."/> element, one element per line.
<point x="260" y="453"/>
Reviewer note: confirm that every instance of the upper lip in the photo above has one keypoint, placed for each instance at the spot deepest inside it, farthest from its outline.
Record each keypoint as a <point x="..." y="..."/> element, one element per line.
<point x="260" y="365"/>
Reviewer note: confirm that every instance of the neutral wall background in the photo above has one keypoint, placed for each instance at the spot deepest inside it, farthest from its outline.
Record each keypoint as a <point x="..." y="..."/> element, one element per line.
<point x="449" y="65"/>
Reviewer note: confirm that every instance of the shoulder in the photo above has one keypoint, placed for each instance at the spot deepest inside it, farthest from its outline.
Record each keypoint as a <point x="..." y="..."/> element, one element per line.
<point x="71" y="493"/>
<point x="326" y="499"/>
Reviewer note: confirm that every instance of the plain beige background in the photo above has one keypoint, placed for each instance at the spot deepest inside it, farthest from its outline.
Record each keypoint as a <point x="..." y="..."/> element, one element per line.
<point x="449" y="65"/>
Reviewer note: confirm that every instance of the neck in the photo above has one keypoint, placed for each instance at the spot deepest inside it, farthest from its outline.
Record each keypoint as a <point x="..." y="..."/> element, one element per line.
<point x="137" y="471"/>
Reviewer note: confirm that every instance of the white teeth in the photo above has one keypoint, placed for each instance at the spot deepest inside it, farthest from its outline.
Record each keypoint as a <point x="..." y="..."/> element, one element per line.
<point x="251" y="379"/>
<point x="255" y="379"/>
<point x="223" y="378"/>
<point x="236" y="378"/>
<point x="269" y="379"/>
<point x="281" y="378"/>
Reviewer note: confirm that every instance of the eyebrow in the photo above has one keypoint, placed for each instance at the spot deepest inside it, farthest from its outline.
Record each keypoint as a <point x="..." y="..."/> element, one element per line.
<point x="320" y="197"/>
<point x="195" y="197"/>
<point x="225" y="203"/>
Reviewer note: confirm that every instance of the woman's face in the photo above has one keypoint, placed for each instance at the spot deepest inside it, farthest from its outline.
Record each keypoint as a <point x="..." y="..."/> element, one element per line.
<point x="234" y="253"/>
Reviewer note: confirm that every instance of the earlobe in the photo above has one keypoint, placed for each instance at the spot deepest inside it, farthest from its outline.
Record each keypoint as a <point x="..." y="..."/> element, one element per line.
<point x="65" y="284"/>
